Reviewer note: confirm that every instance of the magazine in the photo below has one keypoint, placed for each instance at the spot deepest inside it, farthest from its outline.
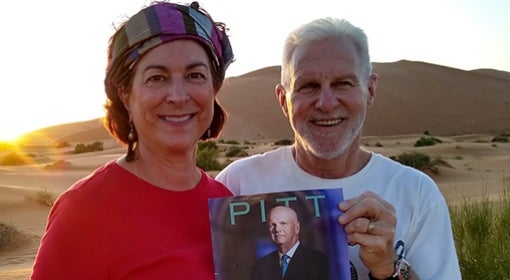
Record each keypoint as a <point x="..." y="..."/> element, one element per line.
<point x="242" y="235"/>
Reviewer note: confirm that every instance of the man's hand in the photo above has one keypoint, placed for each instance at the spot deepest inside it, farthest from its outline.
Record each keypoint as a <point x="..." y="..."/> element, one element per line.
<point x="370" y="222"/>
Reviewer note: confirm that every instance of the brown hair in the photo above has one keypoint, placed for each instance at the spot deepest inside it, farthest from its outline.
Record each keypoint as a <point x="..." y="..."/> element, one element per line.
<point x="119" y="75"/>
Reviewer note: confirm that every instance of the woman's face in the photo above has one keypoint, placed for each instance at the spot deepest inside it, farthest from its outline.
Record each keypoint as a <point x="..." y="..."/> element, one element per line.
<point x="172" y="96"/>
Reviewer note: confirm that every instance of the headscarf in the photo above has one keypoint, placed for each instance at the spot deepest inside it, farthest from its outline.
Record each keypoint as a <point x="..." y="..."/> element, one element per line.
<point x="161" y="23"/>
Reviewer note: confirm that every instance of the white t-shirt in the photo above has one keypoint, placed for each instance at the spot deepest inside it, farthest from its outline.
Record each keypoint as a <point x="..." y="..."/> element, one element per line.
<point x="423" y="220"/>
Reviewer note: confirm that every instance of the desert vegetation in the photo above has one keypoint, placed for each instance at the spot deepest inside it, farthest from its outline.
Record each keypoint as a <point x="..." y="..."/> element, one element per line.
<point x="482" y="236"/>
<point x="10" y="237"/>
<point x="87" y="148"/>
<point x="427" y="141"/>
<point x="42" y="197"/>
<point x="215" y="155"/>
<point x="502" y="138"/>
<point x="13" y="155"/>
<point x="421" y="161"/>
<point x="207" y="156"/>
<point x="13" y="158"/>
<point x="480" y="225"/>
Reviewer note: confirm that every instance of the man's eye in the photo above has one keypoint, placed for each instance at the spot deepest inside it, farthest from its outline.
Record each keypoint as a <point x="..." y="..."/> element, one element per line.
<point x="310" y="85"/>
<point x="308" y="88"/>
<point x="343" y="84"/>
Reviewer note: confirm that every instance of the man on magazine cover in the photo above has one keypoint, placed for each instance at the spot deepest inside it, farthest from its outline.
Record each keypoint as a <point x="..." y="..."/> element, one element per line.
<point x="292" y="260"/>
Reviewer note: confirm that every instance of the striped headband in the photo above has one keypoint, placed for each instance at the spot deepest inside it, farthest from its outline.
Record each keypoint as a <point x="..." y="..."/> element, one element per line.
<point x="161" y="23"/>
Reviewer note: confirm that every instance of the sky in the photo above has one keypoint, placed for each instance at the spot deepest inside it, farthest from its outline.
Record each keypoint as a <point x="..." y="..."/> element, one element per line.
<point x="54" y="51"/>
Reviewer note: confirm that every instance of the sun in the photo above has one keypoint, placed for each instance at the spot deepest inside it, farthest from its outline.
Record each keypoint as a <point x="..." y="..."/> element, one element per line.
<point x="11" y="134"/>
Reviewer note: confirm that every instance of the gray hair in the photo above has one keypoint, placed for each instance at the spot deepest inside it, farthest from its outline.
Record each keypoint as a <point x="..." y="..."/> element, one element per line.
<point x="325" y="29"/>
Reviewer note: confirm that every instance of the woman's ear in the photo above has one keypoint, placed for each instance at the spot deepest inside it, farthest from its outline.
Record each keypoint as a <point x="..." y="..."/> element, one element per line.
<point x="124" y="97"/>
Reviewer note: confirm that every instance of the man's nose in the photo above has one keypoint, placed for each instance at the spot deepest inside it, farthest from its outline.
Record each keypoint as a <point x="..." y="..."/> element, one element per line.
<point x="326" y="100"/>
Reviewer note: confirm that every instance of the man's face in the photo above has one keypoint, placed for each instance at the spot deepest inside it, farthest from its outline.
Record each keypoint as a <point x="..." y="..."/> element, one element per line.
<point x="328" y="97"/>
<point x="283" y="226"/>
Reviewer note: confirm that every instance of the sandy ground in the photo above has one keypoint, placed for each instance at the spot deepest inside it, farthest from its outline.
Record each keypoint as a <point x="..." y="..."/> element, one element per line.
<point x="478" y="167"/>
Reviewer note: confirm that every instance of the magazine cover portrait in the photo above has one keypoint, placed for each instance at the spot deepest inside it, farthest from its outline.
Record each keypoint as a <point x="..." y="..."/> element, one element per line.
<point x="250" y="233"/>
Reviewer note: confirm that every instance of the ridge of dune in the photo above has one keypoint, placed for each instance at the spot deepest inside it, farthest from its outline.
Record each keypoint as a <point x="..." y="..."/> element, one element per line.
<point x="412" y="97"/>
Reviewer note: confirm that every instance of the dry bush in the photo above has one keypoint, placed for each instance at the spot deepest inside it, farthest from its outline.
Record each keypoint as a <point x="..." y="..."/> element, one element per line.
<point x="10" y="237"/>
<point x="43" y="197"/>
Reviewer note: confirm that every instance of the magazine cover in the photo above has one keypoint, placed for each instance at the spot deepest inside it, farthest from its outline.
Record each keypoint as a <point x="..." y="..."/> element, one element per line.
<point x="250" y="232"/>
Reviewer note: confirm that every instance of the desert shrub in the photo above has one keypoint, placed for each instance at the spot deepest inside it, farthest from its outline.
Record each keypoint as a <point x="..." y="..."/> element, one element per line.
<point x="284" y="142"/>
<point x="231" y="142"/>
<point x="482" y="238"/>
<point x="426" y="141"/>
<point x="246" y="142"/>
<point x="5" y="234"/>
<point x="58" y="165"/>
<point x="207" y="145"/>
<point x="236" y="151"/>
<point x="207" y="156"/>
<point x="43" y="197"/>
<point x="82" y="148"/>
<point x="418" y="161"/>
<point x="13" y="158"/>
<point x="62" y="144"/>
<point x="10" y="236"/>
<point x="501" y="139"/>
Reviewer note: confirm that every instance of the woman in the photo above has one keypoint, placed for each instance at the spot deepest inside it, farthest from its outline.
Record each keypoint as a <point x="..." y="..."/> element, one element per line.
<point x="145" y="215"/>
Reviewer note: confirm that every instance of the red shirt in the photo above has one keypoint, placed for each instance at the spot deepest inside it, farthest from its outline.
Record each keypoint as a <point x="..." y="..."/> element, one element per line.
<point x="112" y="225"/>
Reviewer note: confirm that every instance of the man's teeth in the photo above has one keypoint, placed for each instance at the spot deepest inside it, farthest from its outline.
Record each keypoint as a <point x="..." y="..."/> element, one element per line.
<point x="328" y="122"/>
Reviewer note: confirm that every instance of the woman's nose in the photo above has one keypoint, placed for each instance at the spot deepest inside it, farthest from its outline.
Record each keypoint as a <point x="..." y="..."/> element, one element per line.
<point x="176" y="92"/>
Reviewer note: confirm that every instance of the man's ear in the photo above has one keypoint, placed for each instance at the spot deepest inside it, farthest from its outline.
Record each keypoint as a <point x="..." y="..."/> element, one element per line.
<point x="282" y="99"/>
<point x="372" y="86"/>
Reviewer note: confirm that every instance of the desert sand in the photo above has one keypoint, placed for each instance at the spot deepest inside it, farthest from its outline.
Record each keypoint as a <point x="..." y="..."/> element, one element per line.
<point x="464" y="109"/>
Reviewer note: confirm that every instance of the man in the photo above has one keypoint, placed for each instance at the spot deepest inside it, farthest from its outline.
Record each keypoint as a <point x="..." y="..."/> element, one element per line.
<point x="326" y="89"/>
<point x="292" y="260"/>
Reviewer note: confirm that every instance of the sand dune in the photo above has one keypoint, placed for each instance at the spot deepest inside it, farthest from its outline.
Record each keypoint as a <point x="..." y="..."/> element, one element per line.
<point x="464" y="109"/>
<point x="412" y="97"/>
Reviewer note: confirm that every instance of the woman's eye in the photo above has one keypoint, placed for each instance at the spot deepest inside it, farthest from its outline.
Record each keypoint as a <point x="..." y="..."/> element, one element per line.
<point x="196" y="75"/>
<point x="156" y="80"/>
